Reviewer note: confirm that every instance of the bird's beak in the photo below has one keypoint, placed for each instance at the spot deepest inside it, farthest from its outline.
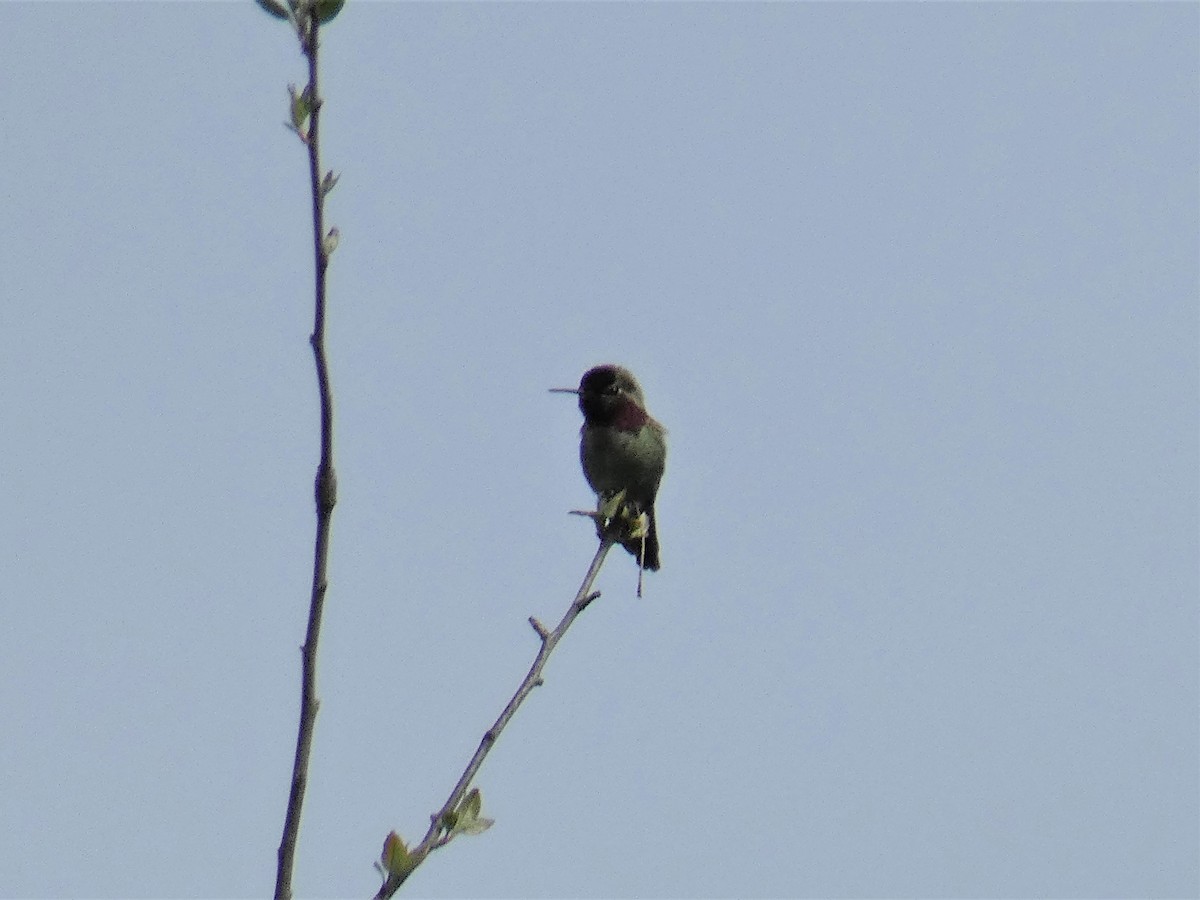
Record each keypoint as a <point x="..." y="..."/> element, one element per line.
<point x="564" y="390"/>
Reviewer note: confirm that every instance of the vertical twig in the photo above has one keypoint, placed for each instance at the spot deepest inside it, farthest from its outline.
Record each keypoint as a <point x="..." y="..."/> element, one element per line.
<point x="326" y="480"/>
<point x="436" y="837"/>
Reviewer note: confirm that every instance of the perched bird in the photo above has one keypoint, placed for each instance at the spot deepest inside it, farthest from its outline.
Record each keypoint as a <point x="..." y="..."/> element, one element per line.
<point x="621" y="448"/>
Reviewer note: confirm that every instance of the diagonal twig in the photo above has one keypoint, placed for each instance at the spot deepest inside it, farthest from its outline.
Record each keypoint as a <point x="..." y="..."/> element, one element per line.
<point x="439" y="834"/>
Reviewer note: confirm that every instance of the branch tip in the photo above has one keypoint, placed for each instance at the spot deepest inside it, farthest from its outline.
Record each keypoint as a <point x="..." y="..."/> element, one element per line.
<point x="587" y="601"/>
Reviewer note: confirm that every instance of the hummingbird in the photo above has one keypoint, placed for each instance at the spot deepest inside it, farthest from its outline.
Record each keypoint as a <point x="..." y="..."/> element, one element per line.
<point x="622" y="448"/>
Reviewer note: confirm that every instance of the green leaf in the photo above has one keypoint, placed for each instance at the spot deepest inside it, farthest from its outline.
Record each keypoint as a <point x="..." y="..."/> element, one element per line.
<point x="468" y="820"/>
<point x="328" y="9"/>
<point x="273" y="8"/>
<point x="475" y="826"/>
<point x="395" y="858"/>
<point x="638" y="525"/>
<point x="611" y="505"/>
<point x="301" y="105"/>
<point x="471" y="804"/>
<point x="331" y="241"/>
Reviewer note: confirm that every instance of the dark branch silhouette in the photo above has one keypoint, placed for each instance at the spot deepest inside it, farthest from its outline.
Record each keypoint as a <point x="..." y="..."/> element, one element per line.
<point x="306" y="117"/>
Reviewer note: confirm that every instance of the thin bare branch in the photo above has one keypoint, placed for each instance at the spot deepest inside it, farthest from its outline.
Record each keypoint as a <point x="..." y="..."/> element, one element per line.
<point x="439" y="834"/>
<point x="326" y="479"/>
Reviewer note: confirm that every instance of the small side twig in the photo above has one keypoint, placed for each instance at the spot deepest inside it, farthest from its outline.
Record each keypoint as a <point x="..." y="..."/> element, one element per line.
<point x="438" y="835"/>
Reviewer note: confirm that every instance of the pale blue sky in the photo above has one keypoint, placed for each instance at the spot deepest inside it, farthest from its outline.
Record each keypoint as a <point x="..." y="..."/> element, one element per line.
<point x="914" y="289"/>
